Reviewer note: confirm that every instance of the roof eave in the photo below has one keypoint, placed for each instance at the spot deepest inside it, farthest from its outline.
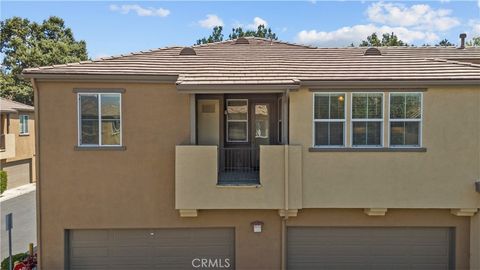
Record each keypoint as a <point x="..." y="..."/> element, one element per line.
<point x="100" y="77"/>
<point x="236" y="88"/>
<point x="424" y="83"/>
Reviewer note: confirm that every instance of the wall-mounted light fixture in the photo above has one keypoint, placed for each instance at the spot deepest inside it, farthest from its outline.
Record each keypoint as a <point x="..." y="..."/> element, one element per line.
<point x="257" y="226"/>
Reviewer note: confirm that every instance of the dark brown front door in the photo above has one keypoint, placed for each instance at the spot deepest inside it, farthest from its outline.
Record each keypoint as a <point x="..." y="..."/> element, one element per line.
<point x="250" y="120"/>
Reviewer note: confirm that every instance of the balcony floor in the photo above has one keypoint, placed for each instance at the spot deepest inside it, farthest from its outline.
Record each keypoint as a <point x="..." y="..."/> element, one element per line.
<point x="238" y="178"/>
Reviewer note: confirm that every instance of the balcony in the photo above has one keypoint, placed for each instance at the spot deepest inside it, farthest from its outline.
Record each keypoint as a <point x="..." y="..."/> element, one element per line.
<point x="239" y="166"/>
<point x="7" y="146"/>
<point x="207" y="177"/>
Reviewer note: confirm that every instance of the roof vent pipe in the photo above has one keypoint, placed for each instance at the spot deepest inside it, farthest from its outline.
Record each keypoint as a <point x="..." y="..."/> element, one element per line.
<point x="462" y="40"/>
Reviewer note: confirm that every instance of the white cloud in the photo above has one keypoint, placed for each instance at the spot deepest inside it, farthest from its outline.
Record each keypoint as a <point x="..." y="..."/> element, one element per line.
<point x="211" y="21"/>
<point x="256" y="22"/>
<point x="346" y="35"/>
<point x="417" y="16"/>
<point x="141" y="11"/>
<point x="475" y="25"/>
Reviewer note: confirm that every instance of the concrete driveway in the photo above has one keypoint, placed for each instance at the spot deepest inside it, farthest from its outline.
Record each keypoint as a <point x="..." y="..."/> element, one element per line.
<point x="20" y="202"/>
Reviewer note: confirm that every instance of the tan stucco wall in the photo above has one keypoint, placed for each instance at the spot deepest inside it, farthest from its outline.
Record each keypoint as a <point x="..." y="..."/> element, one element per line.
<point x="442" y="177"/>
<point x="132" y="188"/>
<point x="135" y="188"/>
<point x="9" y="151"/>
<point x="196" y="180"/>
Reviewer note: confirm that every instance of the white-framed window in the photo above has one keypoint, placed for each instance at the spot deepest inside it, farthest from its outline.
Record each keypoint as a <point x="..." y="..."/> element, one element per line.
<point x="329" y="119"/>
<point x="237" y="120"/>
<point x="99" y="119"/>
<point x="367" y="119"/>
<point x="23" y="124"/>
<point x="405" y="119"/>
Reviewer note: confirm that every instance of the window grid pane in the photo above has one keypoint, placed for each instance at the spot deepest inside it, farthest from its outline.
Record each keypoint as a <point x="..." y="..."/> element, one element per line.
<point x="367" y="119"/>
<point x="237" y="120"/>
<point x="405" y="119"/>
<point x="329" y="119"/>
<point x="100" y="119"/>
<point x="23" y="124"/>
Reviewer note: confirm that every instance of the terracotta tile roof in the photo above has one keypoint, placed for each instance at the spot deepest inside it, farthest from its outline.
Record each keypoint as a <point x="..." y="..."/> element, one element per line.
<point x="274" y="62"/>
<point x="7" y="105"/>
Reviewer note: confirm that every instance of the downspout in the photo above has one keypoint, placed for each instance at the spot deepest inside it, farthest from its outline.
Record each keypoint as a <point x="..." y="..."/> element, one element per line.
<point x="36" y="100"/>
<point x="286" y="182"/>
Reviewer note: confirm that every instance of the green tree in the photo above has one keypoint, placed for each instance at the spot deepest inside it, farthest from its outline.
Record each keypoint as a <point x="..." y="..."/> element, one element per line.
<point x="261" y="32"/>
<point x="372" y="40"/>
<point x="445" y="42"/>
<point x="474" y="42"/>
<point x="388" y="39"/>
<point x="26" y="44"/>
<point x="216" y="36"/>
<point x="238" y="32"/>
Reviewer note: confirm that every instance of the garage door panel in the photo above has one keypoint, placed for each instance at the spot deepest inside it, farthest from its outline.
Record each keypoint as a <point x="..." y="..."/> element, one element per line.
<point x="19" y="172"/>
<point x="91" y="251"/>
<point x="369" y="248"/>
<point x="88" y="236"/>
<point x="148" y="249"/>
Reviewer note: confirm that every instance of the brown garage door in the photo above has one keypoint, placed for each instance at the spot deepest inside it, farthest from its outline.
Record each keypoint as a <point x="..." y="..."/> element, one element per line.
<point x="151" y="249"/>
<point x="370" y="248"/>
<point x="19" y="173"/>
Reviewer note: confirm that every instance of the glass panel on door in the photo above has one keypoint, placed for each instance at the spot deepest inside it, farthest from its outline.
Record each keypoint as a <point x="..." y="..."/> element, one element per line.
<point x="261" y="124"/>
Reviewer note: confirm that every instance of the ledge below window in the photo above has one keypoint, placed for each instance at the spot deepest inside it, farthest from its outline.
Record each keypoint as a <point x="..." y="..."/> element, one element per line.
<point x="355" y="149"/>
<point x="99" y="148"/>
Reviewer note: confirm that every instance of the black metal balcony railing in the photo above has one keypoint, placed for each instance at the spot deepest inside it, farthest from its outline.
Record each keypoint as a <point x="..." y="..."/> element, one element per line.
<point x="2" y="142"/>
<point x="239" y="165"/>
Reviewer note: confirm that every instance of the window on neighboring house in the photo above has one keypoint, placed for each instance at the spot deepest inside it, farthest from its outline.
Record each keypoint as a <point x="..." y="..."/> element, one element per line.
<point x="405" y="119"/>
<point x="329" y="119"/>
<point x="367" y="119"/>
<point x="237" y="120"/>
<point x="99" y="119"/>
<point x="23" y="124"/>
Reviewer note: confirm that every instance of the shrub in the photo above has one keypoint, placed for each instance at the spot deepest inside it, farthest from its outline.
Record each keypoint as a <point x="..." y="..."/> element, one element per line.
<point x="3" y="181"/>
<point x="15" y="258"/>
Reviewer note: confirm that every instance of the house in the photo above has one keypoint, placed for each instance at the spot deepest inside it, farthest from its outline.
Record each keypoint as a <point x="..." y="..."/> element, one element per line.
<point x="17" y="142"/>
<point x="260" y="154"/>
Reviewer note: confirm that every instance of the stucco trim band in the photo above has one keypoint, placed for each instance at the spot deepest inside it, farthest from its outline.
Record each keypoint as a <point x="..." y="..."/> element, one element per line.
<point x="99" y="148"/>
<point x="188" y="212"/>
<point x="367" y="149"/>
<point x="375" y="212"/>
<point x="370" y="89"/>
<point x="464" y="212"/>
<point x="99" y="90"/>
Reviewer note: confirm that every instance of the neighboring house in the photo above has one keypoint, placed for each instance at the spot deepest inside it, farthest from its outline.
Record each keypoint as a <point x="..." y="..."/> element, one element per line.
<point x="346" y="158"/>
<point x="17" y="142"/>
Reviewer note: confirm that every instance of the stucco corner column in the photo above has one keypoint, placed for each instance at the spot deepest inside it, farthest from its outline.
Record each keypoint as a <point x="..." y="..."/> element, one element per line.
<point x="475" y="242"/>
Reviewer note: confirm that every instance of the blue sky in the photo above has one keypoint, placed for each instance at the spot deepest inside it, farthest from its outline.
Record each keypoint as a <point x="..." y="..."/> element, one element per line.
<point x="116" y="27"/>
